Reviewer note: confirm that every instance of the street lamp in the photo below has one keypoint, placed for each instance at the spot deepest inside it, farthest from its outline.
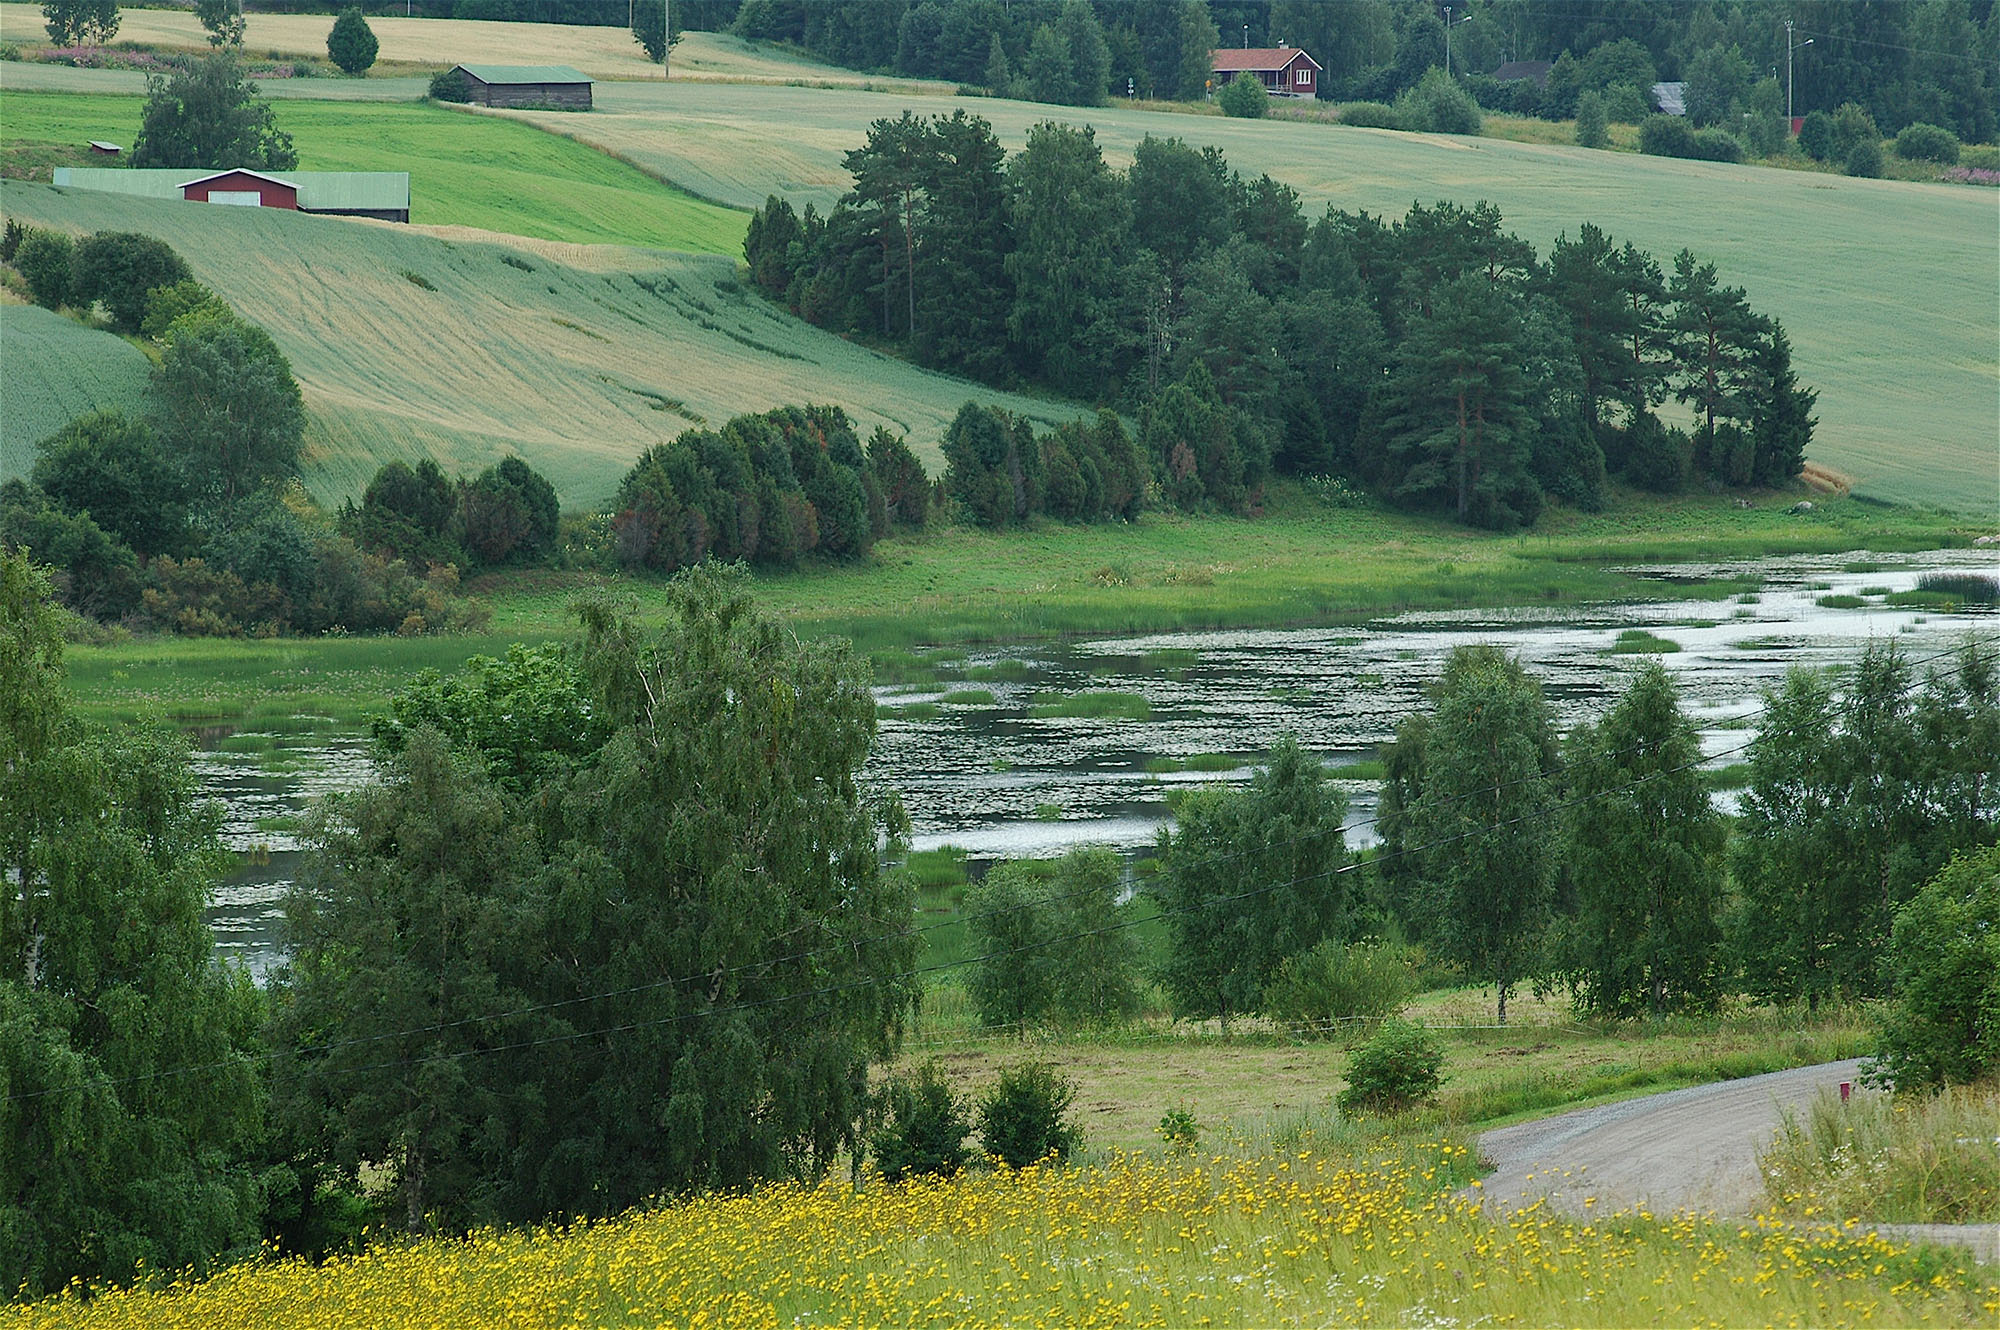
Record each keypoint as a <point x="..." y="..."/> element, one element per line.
<point x="1789" y="48"/>
<point x="1449" y="24"/>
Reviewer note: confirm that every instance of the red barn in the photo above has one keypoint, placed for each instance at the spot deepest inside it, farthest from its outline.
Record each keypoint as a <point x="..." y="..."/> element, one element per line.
<point x="251" y="189"/>
<point x="1285" y="71"/>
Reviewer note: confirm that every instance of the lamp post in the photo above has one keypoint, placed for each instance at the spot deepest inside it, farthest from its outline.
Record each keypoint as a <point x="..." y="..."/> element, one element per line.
<point x="1789" y="48"/>
<point x="1449" y="24"/>
<point x="1246" y="36"/>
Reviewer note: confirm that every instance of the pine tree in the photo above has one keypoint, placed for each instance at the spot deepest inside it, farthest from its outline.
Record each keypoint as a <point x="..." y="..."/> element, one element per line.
<point x="1781" y="421"/>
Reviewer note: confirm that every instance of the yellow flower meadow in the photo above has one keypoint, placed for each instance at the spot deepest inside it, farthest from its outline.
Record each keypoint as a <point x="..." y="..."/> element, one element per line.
<point x="1139" y="1240"/>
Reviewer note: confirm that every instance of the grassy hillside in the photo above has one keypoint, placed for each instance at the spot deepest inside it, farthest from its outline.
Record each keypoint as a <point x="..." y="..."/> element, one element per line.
<point x="57" y="369"/>
<point x="575" y="357"/>
<point x="603" y="53"/>
<point x="465" y="169"/>
<point x="1886" y="288"/>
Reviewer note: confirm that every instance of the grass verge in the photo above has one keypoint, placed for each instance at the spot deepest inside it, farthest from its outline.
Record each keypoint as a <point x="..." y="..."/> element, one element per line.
<point x="1907" y="1159"/>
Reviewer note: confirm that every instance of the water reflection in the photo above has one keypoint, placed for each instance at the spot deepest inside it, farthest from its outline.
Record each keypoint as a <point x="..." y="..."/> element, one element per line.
<point x="1005" y="778"/>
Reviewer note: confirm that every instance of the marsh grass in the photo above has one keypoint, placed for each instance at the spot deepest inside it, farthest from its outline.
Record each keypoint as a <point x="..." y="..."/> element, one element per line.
<point x="1638" y="642"/>
<point x="1901" y="1159"/>
<point x="1091" y="706"/>
<point x="968" y="697"/>
<point x="1841" y="601"/>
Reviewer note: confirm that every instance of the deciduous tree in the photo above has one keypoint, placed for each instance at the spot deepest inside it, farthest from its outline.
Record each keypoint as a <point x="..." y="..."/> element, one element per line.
<point x="205" y="116"/>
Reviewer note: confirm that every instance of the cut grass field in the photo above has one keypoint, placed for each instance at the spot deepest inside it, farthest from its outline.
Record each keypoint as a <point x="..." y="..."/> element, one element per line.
<point x="576" y="358"/>
<point x="465" y="169"/>
<point x="1886" y="288"/>
<point x="602" y="53"/>
<point x="1302" y="563"/>
<point x="57" y="369"/>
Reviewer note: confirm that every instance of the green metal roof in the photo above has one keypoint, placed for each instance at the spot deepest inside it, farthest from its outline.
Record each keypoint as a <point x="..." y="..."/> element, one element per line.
<point x="319" y="191"/>
<point x="525" y="74"/>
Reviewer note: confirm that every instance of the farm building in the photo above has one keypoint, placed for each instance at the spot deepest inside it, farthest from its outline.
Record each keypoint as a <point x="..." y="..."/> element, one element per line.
<point x="1516" y="70"/>
<point x="384" y="195"/>
<point x="1285" y="71"/>
<point x="556" y="86"/>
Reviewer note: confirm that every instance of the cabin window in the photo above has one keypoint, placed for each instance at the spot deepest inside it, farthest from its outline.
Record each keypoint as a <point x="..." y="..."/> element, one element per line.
<point x="241" y="198"/>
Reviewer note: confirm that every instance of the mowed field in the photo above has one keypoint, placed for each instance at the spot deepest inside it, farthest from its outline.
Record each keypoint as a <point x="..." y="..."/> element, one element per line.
<point x="1887" y="289"/>
<point x="56" y="370"/>
<point x="465" y="349"/>
<point x="465" y="169"/>
<point x="602" y="53"/>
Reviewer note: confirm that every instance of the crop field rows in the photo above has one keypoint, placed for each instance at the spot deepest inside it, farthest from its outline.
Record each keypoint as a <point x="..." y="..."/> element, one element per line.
<point x="57" y="369"/>
<point x="406" y="343"/>
<point x="1885" y="288"/>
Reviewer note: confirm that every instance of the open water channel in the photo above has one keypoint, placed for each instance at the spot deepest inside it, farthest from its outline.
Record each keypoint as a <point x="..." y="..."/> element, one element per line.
<point x="995" y="771"/>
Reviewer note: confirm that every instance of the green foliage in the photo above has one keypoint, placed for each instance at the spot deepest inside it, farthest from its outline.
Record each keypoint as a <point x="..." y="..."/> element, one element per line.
<point x="406" y="513"/>
<point x="528" y="715"/>
<point x="1179" y="1130"/>
<point x="1053" y="942"/>
<point x="121" y="270"/>
<point x="351" y="43"/>
<point x="167" y="304"/>
<point x="1478" y="814"/>
<point x="80" y="22"/>
<point x="1667" y="136"/>
<point x="44" y="259"/>
<point x="205" y="116"/>
<point x="1249" y="878"/>
<point x="1024" y="1116"/>
<point x="1717" y="80"/>
<point x="133" y="1106"/>
<point x="449" y="85"/>
<point x="1927" y="143"/>
<point x="1590" y="126"/>
<point x="923" y="1129"/>
<point x="223" y="21"/>
<point x="229" y="405"/>
<point x="509" y="514"/>
<point x="111" y="468"/>
<point x="1244" y="97"/>
<point x="1373" y="115"/>
<point x="1400" y="1067"/>
<point x="1865" y="157"/>
<point x="95" y="574"/>
<point x="1908" y="1160"/>
<point x="1854" y="801"/>
<point x="1439" y="105"/>
<point x="1334" y="982"/>
<point x="1644" y="855"/>
<point x="1716" y="145"/>
<point x="906" y="491"/>
<point x="1942" y="1026"/>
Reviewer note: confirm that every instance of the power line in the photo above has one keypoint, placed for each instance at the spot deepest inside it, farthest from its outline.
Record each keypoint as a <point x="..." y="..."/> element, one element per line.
<point x="920" y="971"/>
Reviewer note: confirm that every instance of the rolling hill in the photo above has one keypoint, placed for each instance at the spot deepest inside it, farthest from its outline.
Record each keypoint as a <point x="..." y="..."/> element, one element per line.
<point x="1886" y="288"/>
<point x="465" y="349"/>
<point x="57" y="369"/>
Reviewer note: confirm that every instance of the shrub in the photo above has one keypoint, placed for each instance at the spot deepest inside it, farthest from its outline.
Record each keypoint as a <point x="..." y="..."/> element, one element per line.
<point x="1244" y="97"/>
<point x="1851" y="124"/>
<point x="11" y="237"/>
<point x="1438" y="105"/>
<point x="1024" y="1118"/>
<point x="43" y="259"/>
<point x="1864" y="159"/>
<point x="1818" y="139"/>
<point x="449" y="85"/>
<point x="1050" y="941"/>
<point x="1372" y="115"/>
<point x="1179" y="1129"/>
<point x="352" y="44"/>
<point x="1927" y="143"/>
<point x="1944" y="965"/>
<point x="1666" y="136"/>
<point x="1398" y="1068"/>
<point x="165" y="305"/>
<point x="1716" y="145"/>
<point x="924" y="1126"/>
<point x="121" y="269"/>
<point x="1590" y="128"/>
<point x="1333" y="982"/>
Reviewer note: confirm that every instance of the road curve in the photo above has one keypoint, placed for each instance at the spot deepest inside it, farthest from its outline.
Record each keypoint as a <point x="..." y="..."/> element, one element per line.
<point x="1692" y="1149"/>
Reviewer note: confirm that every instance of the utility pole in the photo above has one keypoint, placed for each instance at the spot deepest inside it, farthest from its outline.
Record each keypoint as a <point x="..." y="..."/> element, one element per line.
<point x="1788" y="71"/>
<point x="666" y="34"/>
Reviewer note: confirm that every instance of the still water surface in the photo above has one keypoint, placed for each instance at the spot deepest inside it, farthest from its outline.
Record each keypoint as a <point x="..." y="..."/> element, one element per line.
<point x="1004" y="782"/>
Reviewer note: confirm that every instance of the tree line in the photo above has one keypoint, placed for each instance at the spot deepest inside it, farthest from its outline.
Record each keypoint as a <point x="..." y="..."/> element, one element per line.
<point x="1436" y="359"/>
<point x="1935" y="62"/>
<point x="189" y="516"/>
<point x="614" y="922"/>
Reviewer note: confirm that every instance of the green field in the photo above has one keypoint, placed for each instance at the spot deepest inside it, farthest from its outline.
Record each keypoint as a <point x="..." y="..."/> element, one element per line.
<point x="1302" y="563"/>
<point x="465" y="169"/>
<point x="57" y="369"/>
<point x="576" y="358"/>
<point x="1886" y="288"/>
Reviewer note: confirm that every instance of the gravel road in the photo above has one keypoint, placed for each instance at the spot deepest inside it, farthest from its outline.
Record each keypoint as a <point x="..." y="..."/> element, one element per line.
<point x="1693" y="1149"/>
